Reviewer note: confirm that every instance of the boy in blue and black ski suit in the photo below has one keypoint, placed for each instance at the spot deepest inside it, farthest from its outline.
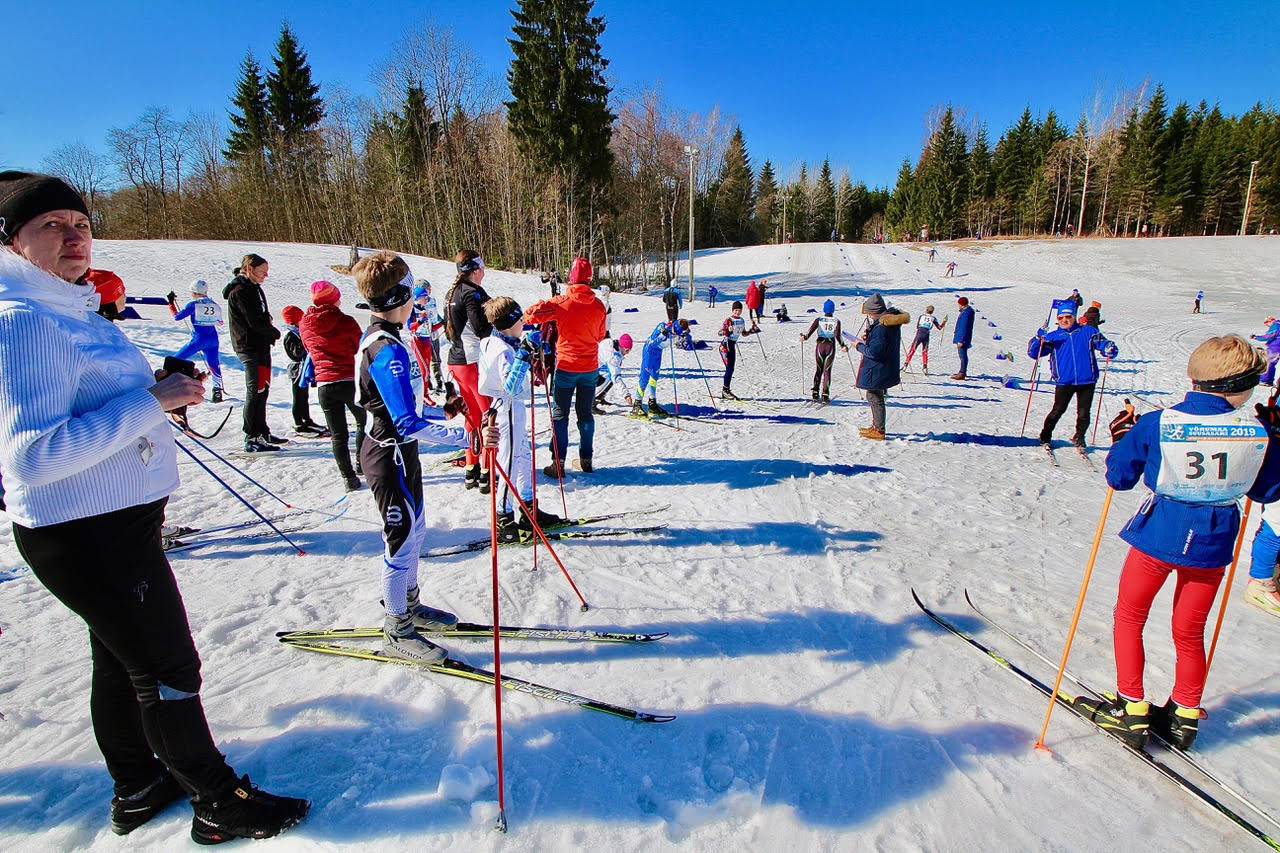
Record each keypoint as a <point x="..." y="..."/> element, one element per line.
<point x="205" y="316"/>
<point x="651" y="364"/>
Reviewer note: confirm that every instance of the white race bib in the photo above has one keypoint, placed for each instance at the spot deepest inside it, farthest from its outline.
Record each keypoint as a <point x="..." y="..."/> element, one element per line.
<point x="827" y="327"/>
<point x="206" y="313"/>
<point x="736" y="325"/>
<point x="1209" y="459"/>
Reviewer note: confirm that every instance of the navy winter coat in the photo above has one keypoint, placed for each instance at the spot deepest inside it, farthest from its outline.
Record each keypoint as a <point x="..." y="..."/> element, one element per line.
<point x="964" y="327"/>
<point x="882" y="352"/>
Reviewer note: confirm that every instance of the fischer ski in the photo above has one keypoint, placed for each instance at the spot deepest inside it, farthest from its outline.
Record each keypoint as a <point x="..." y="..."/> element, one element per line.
<point x="472" y="673"/>
<point x="1190" y="759"/>
<point x="471" y="630"/>
<point x="289" y="522"/>
<point x="1066" y="701"/>
<point x="553" y="536"/>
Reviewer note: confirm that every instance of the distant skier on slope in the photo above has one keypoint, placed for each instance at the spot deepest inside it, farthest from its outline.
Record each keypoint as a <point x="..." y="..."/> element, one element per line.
<point x="926" y="324"/>
<point x="827" y="328"/>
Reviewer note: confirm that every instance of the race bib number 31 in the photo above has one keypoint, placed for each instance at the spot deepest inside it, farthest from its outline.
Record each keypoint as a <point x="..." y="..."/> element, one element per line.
<point x="1209" y="458"/>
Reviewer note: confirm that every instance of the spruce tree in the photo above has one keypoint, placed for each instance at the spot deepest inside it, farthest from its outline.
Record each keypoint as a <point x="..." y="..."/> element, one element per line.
<point x="294" y="101"/>
<point x="897" y="210"/>
<point x="559" y="107"/>
<point x="733" y="195"/>
<point x="768" y="205"/>
<point x="981" y="184"/>
<point x="249" y="120"/>
<point x="823" y="214"/>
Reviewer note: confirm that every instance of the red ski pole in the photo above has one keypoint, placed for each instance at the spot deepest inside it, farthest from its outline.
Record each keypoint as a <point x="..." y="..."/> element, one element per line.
<point x="492" y="454"/>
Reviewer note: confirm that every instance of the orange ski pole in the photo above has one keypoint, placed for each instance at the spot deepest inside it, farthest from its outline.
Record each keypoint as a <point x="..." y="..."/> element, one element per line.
<point x="1226" y="591"/>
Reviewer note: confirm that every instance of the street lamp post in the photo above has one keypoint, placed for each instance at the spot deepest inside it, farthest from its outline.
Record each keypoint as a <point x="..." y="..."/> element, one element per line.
<point x="692" y="154"/>
<point x="1244" y="220"/>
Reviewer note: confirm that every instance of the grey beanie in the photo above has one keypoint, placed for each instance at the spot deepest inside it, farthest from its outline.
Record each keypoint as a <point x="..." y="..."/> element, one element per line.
<point x="874" y="304"/>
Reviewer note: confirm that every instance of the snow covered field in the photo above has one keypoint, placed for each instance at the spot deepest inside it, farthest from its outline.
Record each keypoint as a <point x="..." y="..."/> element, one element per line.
<point x="818" y="708"/>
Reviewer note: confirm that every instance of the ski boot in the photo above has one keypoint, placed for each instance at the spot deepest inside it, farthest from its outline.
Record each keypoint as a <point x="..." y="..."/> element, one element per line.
<point x="826" y="398"/>
<point x="129" y="813"/>
<point x="351" y="482"/>
<point x="484" y="483"/>
<point x="656" y="411"/>
<point x="428" y="618"/>
<point x="1129" y="721"/>
<point x="728" y="395"/>
<point x="217" y="395"/>
<point x="546" y="521"/>
<point x="814" y="395"/>
<point x="400" y="639"/>
<point x="243" y="811"/>
<point x="507" y="530"/>
<point x="638" y="411"/>
<point x="471" y="479"/>
<point x="1176" y="725"/>
<point x="1263" y="593"/>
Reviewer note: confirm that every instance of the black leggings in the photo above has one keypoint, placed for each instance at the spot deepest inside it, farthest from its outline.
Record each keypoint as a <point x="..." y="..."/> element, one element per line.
<point x="144" y="699"/>
<point x="1061" y="400"/>
<point x="824" y="354"/>
<point x="336" y="399"/>
<point x="257" y="387"/>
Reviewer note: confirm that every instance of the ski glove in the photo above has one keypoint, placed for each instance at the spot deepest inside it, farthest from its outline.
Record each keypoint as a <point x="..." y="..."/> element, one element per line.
<point x="1123" y="422"/>
<point x="1269" y="415"/>
<point x="1111" y="351"/>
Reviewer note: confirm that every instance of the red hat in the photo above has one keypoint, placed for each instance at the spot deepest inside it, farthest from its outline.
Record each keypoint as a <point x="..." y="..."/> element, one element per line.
<point x="292" y="314"/>
<point x="580" y="272"/>
<point x="325" y="293"/>
<point x="110" y="286"/>
<point x="963" y="300"/>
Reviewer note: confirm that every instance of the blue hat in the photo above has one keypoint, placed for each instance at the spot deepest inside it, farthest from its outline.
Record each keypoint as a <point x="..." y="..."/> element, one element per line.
<point x="1068" y="308"/>
<point x="828" y="307"/>
<point x="419" y="291"/>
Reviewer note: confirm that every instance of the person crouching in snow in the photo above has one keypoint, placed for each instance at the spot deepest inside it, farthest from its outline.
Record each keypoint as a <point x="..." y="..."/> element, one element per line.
<point x="651" y="365"/>
<point x="389" y="454"/>
<point x="1198" y="457"/>
<point x="880" y="367"/>
<point x="610" y="356"/>
<point x="504" y="379"/>
<point x="733" y="328"/>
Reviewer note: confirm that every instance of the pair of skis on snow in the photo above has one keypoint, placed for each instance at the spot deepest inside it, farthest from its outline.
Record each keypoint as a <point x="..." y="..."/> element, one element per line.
<point x="568" y="530"/>
<point x="1082" y="451"/>
<point x="291" y="521"/>
<point x="1216" y="801"/>
<point x="324" y="640"/>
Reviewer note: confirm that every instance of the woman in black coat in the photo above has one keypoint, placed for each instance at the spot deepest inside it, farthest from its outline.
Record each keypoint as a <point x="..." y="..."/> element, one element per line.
<point x="881" y="349"/>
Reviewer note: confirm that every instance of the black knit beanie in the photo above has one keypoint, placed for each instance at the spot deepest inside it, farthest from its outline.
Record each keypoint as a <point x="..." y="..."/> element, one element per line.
<point x="26" y="195"/>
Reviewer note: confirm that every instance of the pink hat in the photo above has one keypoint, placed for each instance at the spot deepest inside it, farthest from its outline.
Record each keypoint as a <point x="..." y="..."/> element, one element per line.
<point x="325" y="293"/>
<point x="624" y="341"/>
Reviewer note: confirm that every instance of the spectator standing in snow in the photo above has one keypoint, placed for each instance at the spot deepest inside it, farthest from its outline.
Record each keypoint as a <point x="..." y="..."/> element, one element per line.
<point x="672" y="299"/>
<point x="89" y="461"/>
<point x="252" y="336"/>
<point x="754" y="302"/>
<point x="333" y="340"/>
<point x="880" y="367"/>
<point x="300" y="372"/>
<point x="465" y="326"/>
<point x="962" y="337"/>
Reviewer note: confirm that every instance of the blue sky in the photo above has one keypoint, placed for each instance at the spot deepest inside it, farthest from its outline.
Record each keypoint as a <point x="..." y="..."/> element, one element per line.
<point x="852" y="81"/>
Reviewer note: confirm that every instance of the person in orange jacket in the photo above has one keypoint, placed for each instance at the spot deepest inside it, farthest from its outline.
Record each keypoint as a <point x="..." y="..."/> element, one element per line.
<point x="579" y="316"/>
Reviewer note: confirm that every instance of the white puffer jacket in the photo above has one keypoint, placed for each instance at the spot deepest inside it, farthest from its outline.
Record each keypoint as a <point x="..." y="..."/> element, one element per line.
<point x="80" y="435"/>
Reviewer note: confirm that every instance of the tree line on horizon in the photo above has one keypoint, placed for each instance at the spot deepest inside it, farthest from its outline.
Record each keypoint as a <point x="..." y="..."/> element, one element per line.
<point x="436" y="161"/>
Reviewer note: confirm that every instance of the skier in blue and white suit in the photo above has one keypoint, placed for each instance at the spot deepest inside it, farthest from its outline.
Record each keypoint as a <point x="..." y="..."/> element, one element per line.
<point x="390" y="386"/>
<point x="1074" y="367"/>
<point x="205" y="316"/>
<point x="651" y="364"/>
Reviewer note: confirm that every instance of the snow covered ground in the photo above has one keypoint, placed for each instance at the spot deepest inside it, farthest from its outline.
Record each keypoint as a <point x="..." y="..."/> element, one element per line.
<point x="818" y="709"/>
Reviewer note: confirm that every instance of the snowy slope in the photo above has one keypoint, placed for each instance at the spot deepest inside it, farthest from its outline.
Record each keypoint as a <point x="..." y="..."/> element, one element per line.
<point x="817" y="707"/>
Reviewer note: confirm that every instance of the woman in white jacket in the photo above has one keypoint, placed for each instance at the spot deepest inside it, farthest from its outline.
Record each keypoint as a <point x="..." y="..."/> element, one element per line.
<point x="87" y="462"/>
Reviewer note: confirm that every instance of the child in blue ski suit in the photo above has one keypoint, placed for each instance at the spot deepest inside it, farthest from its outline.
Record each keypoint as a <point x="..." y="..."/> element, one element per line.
<point x="205" y="316"/>
<point x="651" y="364"/>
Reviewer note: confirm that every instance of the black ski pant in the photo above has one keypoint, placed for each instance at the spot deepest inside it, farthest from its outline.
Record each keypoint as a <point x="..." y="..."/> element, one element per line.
<point x="1062" y="395"/>
<point x="824" y="352"/>
<point x="257" y="387"/>
<point x="336" y="399"/>
<point x="145" y="693"/>
<point x="301" y="398"/>
<point x="729" y="350"/>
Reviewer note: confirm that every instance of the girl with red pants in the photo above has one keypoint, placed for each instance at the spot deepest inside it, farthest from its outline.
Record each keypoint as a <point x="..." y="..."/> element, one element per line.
<point x="1198" y="458"/>
<point x="465" y="326"/>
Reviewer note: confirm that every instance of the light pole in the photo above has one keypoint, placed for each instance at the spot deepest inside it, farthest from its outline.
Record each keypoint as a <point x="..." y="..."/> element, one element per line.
<point x="692" y="154"/>
<point x="1244" y="220"/>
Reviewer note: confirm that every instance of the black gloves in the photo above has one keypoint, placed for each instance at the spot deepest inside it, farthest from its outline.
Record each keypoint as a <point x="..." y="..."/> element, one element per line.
<point x="1123" y="422"/>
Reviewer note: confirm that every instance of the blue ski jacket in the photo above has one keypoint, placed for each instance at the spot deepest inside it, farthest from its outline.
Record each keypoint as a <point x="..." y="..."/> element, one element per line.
<point x="963" y="333"/>
<point x="1197" y="535"/>
<point x="1071" y="353"/>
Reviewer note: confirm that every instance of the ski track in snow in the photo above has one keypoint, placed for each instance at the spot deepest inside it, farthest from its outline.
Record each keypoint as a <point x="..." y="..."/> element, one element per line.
<point x="817" y="708"/>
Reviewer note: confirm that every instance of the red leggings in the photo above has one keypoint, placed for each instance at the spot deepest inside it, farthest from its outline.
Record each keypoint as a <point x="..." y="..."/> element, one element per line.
<point x="468" y="378"/>
<point x="1140" y="580"/>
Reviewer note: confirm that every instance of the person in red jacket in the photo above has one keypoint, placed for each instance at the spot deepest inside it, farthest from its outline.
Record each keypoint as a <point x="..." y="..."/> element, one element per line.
<point x="754" y="303"/>
<point x="580" y="326"/>
<point x="332" y="338"/>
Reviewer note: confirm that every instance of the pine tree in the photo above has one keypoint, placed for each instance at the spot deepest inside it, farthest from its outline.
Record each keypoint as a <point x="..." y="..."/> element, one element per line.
<point x="897" y="210"/>
<point x="981" y="184"/>
<point x="1013" y="164"/>
<point x="823" y="206"/>
<point x="733" y="194"/>
<point x="293" y="100"/>
<point x="942" y="181"/>
<point x="559" y="107"/>
<point x="848" y="207"/>
<point x="249" y="121"/>
<point x="1177" y="182"/>
<point x="768" y="206"/>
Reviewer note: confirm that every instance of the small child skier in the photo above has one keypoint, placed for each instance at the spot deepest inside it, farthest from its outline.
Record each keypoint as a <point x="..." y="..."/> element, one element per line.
<point x="426" y="324"/>
<point x="1196" y="308"/>
<point x="301" y="375"/>
<point x="951" y="270"/>
<point x="827" y="328"/>
<point x="611" y="355"/>
<point x="390" y="392"/>
<point x="781" y="314"/>
<point x="1198" y="457"/>
<point x="651" y="365"/>
<point x="205" y="316"/>
<point x="926" y="324"/>
<point x="712" y="293"/>
<point x="733" y="329"/>
<point x="504" y="378"/>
